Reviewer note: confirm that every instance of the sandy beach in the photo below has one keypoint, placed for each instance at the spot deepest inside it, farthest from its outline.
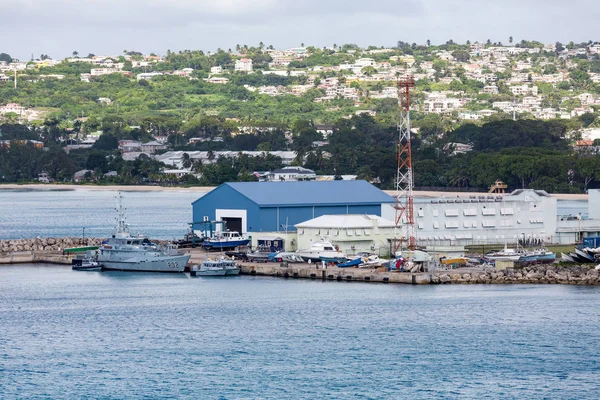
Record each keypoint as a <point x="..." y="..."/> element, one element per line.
<point x="124" y="188"/>
<point x="205" y="189"/>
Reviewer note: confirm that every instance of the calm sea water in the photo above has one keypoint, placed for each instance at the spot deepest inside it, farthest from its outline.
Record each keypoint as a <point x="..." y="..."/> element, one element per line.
<point x="159" y="215"/>
<point x="51" y="213"/>
<point x="67" y="334"/>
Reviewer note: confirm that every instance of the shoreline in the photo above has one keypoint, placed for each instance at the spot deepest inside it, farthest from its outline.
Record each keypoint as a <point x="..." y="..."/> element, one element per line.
<point x="206" y="189"/>
<point x="124" y="188"/>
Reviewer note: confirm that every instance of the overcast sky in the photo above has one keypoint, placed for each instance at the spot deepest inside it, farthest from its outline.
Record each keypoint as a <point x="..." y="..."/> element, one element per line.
<point x="58" y="27"/>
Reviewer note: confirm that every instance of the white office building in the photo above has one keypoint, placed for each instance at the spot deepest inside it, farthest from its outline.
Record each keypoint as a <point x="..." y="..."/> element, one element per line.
<point x="483" y="219"/>
<point x="351" y="233"/>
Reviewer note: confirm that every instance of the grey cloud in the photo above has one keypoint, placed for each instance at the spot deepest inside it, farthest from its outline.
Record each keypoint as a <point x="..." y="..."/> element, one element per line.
<point x="58" y="27"/>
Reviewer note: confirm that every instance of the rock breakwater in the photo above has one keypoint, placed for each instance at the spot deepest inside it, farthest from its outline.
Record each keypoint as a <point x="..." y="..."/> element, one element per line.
<point x="543" y="274"/>
<point x="46" y="244"/>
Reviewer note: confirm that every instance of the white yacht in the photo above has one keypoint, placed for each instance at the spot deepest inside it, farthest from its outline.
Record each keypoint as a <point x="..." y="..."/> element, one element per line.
<point x="319" y="251"/>
<point x="124" y="252"/>
<point x="505" y="255"/>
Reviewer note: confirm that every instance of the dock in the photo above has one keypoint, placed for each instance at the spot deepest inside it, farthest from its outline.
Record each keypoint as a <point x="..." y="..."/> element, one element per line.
<point x="315" y="271"/>
<point x="536" y="274"/>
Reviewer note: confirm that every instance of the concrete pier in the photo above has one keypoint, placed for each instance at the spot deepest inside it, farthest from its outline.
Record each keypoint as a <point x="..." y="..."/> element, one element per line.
<point x="303" y="271"/>
<point x="26" y="257"/>
<point x="537" y="274"/>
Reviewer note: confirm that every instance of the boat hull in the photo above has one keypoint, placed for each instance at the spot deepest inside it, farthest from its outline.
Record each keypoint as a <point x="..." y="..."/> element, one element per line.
<point x="159" y="264"/>
<point x="209" y="244"/>
<point x="87" y="268"/>
<point x="232" y="271"/>
<point x="221" y="272"/>
<point x="504" y="258"/>
<point x="352" y="263"/>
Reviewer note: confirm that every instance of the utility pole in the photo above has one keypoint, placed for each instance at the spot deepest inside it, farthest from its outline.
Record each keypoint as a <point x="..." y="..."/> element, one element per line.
<point x="15" y="77"/>
<point x="404" y="177"/>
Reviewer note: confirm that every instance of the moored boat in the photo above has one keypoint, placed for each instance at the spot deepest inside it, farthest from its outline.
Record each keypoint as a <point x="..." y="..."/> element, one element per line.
<point x="220" y="267"/>
<point x="321" y="251"/>
<point x="190" y="239"/>
<point x="505" y="255"/>
<point x="584" y="255"/>
<point x="566" y="258"/>
<point x="124" y="252"/>
<point x="225" y="240"/>
<point x="351" y="263"/>
<point x="87" y="265"/>
<point x="455" y="261"/>
<point x="260" y="254"/>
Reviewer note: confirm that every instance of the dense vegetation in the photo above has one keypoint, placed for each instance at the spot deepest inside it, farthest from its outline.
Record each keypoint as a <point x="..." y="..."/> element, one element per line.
<point x="235" y="117"/>
<point x="524" y="154"/>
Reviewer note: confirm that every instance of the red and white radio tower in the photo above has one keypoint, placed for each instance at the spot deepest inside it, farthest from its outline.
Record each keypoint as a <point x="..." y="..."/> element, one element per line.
<point x="404" y="231"/>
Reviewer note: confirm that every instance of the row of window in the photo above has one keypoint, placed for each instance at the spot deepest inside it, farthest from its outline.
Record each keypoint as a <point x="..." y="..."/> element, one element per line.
<point x="468" y="212"/>
<point x="486" y="223"/>
<point x="337" y="232"/>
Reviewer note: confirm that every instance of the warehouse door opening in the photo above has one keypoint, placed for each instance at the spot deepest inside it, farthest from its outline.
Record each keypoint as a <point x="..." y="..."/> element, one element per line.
<point x="233" y="224"/>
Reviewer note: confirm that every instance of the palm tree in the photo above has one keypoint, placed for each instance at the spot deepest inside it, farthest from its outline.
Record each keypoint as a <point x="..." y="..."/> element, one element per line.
<point x="197" y="165"/>
<point x="186" y="161"/>
<point x="75" y="53"/>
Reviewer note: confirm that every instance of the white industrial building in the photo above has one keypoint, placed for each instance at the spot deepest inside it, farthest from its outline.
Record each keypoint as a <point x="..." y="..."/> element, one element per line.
<point x="486" y="219"/>
<point x="352" y="233"/>
<point x="448" y="223"/>
<point x="497" y="219"/>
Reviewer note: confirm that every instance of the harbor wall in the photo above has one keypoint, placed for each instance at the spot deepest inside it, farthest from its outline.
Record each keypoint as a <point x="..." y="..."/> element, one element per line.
<point x="540" y="274"/>
<point x="46" y="244"/>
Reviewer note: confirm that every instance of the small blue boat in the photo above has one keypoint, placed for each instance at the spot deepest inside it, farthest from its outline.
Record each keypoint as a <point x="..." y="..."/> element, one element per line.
<point x="351" y="263"/>
<point x="225" y="240"/>
<point x="538" y="256"/>
<point x="336" y="260"/>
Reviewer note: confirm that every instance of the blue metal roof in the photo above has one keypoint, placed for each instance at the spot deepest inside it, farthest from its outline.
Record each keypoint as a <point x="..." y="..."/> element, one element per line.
<point x="272" y="194"/>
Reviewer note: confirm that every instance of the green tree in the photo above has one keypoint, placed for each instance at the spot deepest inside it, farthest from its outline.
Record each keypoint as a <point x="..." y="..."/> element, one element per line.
<point x="368" y="70"/>
<point x="6" y="58"/>
<point x="106" y="141"/>
<point x="461" y="55"/>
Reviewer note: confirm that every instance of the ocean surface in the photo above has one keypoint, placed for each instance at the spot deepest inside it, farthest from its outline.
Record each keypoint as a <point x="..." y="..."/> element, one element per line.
<point x="156" y="214"/>
<point x="58" y="213"/>
<point x="69" y="334"/>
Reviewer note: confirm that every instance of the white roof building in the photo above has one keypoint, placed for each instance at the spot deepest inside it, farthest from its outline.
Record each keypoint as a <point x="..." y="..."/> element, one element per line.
<point x="484" y="219"/>
<point x="174" y="158"/>
<point x="148" y="75"/>
<point x="290" y="174"/>
<point x="243" y="65"/>
<point x="352" y="233"/>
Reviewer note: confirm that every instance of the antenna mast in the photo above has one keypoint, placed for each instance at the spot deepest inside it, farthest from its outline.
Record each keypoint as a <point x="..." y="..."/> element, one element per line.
<point x="121" y="225"/>
<point x="405" y="221"/>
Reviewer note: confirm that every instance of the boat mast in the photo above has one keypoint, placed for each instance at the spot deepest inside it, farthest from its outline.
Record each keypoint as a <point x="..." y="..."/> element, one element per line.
<point x="121" y="225"/>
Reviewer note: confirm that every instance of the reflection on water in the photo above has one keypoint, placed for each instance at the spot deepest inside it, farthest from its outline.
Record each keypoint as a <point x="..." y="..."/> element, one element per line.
<point x="57" y="213"/>
<point x="70" y="334"/>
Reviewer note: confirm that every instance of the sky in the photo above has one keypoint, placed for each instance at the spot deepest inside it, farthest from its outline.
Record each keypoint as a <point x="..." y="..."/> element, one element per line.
<point x="107" y="27"/>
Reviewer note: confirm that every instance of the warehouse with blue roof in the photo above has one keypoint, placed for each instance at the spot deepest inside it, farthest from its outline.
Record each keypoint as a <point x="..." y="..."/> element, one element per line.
<point x="249" y="207"/>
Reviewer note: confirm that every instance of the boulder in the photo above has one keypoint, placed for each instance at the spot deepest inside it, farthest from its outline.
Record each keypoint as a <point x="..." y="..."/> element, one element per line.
<point x="534" y="275"/>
